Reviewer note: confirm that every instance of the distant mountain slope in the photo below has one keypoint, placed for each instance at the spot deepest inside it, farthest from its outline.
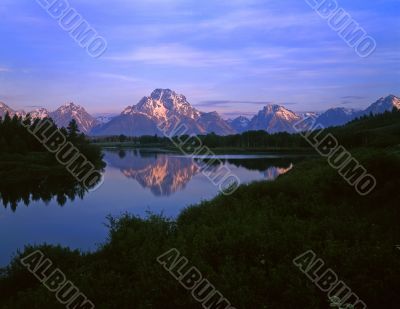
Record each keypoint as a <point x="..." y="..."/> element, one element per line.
<point x="212" y="122"/>
<point x="240" y="124"/>
<point x="4" y="109"/>
<point x="336" y="117"/>
<point x="273" y="119"/>
<point x="163" y="104"/>
<point x="341" y="116"/>
<point x="130" y="125"/>
<point x="64" y="114"/>
<point x="103" y="119"/>
<point x="39" y="113"/>
<point x="383" y="105"/>
<point x="167" y="109"/>
<point x="379" y="130"/>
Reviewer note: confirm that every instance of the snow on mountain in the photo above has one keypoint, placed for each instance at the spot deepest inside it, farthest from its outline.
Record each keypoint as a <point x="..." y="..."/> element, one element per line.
<point x="168" y="108"/>
<point x="103" y="119"/>
<point x="312" y="115"/>
<point x="336" y="117"/>
<point x="165" y="103"/>
<point x="239" y="124"/>
<point x="273" y="119"/>
<point x="341" y="116"/>
<point x="383" y="105"/>
<point x="39" y="113"/>
<point x="4" y="109"/>
<point x="212" y="122"/>
<point x="64" y="114"/>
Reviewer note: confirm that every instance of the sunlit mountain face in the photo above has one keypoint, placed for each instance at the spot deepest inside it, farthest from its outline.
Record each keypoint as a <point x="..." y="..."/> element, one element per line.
<point x="164" y="174"/>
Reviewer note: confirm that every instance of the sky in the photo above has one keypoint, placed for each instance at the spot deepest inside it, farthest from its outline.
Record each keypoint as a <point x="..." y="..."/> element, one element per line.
<point x="229" y="56"/>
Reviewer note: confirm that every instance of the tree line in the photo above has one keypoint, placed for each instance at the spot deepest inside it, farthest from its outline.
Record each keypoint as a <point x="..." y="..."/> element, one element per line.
<point x="15" y="138"/>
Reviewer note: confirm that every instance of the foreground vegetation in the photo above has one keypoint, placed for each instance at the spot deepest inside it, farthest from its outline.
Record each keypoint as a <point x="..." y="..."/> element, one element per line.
<point x="244" y="244"/>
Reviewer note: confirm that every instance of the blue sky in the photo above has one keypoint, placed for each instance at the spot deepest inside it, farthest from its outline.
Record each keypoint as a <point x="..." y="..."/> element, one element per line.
<point x="232" y="56"/>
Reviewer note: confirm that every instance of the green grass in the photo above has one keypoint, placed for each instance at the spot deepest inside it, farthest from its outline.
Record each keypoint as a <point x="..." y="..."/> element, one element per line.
<point x="244" y="244"/>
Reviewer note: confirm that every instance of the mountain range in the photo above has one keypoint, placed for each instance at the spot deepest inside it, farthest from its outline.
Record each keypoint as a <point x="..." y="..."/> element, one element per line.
<point x="62" y="116"/>
<point x="341" y="116"/>
<point x="165" y="108"/>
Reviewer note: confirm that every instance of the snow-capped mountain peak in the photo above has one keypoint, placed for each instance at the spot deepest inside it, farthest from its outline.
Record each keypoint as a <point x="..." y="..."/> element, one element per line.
<point x="384" y="104"/>
<point x="128" y="110"/>
<point x="240" y="123"/>
<point x="103" y="119"/>
<point x="70" y="107"/>
<point x="168" y="108"/>
<point x="3" y="105"/>
<point x="65" y="113"/>
<point x="282" y="112"/>
<point x="4" y="109"/>
<point x="164" y="103"/>
<point x="272" y="108"/>
<point x="39" y="113"/>
<point x="336" y="116"/>
<point x="274" y="118"/>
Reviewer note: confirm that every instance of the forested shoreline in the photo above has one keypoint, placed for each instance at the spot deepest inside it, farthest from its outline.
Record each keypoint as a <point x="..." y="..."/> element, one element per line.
<point x="245" y="243"/>
<point x="357" y="133"/>
<point x="28" y="171"/>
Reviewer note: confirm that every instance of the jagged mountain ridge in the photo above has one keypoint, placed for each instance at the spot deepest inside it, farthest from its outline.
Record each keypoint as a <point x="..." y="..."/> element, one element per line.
<point x="239" y="124"/>
<point x="337" y="116"/>
<point x="62" y="116"/>
<point x="4" y="109"/>
<point x="65" y="113"/>
<point x="382" y="105"/>
<point x="166" y="108"/>
<point x="274" y="119"/>
<point x="341" y="116"/>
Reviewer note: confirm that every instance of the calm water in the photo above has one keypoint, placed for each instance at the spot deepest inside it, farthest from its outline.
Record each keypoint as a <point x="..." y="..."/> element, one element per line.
<point x="135" y="182"/>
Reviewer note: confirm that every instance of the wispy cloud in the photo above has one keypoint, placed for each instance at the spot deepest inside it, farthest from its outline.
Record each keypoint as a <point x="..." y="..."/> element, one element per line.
<point x="34" y="106"/>
<point x="114" y="76"/>
<point x="229" y="102"/>
<point x="231" y="55"/>
<point x="257" y="19"/>
<point x="237" y="113"/>
<point x="5" y="69"/>
<point x="353" y="97"/>
<point x="177" y="55"/>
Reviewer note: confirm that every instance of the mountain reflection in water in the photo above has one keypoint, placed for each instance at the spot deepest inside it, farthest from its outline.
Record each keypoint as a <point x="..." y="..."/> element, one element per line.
<point x="135" y="182"/>
<point x="165" y="174"/>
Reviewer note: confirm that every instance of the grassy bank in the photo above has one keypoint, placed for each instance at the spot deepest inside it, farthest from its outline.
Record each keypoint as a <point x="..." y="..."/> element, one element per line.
<point x="244" y="244"/>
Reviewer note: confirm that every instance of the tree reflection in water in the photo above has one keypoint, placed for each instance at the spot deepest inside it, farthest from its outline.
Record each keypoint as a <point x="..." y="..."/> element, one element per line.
<point x="33" y="187"/>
